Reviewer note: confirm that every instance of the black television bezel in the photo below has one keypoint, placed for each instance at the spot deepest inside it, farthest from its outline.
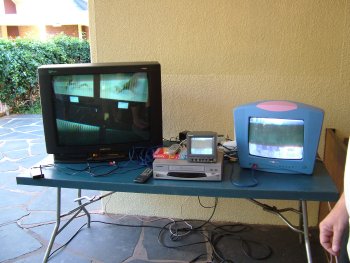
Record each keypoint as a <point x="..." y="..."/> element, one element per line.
<point x="100" y="152"/>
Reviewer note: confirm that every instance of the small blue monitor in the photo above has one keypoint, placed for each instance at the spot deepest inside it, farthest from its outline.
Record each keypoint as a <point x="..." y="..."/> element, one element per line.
<point x="278" y="136"/>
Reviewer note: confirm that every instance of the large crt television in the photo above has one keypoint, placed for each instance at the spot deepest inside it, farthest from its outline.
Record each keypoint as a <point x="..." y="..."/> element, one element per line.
<point x="278" y="136"/>
<point x="100" y="111"/>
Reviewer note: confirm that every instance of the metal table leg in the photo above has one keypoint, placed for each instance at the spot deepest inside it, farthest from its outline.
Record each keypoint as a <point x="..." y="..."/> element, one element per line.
<point x="306" y="231"/>
<point x="57" y="226"/>
<point x="300" y="208"/>
<point x="302" y="229"/>
<point x="74" y="212"/>
<point x="84" y="208"/>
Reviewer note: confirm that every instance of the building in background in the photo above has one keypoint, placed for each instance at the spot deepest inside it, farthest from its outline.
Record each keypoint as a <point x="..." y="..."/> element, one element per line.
<point x="41" y="19"/>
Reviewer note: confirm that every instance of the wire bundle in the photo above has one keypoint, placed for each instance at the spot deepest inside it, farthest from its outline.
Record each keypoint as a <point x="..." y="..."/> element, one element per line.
<point x="178" y="231"/>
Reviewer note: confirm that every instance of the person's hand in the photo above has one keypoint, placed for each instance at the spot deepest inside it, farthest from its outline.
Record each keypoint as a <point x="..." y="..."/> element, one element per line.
<point x="332" y="227"/>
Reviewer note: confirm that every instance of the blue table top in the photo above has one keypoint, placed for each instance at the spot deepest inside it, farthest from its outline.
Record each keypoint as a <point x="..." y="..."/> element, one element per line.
<point x="316" y="187"/>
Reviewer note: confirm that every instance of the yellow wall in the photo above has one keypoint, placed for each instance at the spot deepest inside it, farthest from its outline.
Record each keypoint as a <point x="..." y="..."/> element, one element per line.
<point x="216" y="55"/>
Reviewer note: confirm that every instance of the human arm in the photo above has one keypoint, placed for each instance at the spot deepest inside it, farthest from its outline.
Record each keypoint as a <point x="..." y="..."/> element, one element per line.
<point x="333" y="226"/>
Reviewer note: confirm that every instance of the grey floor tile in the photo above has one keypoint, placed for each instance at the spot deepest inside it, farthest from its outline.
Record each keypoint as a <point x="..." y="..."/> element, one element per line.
<point x="157" y="261"/>
<point x="8" y="146"/>
<point x="117" y="242"/>
<point x="15" y="242"/>
<point x="11" y="214"/>
<point x="31" y="160"/>
<point x="7" y="178"/>
<point x="16" y="121"/>
<point x="45" y="230"/>
<point x="11" y="184"/>
<point x="6" y="166"/>
<point x="37" y="147"/>
<point x="11" y="198"/>
<point x="17" y="155"/>
<point x="102" y="242"/>
<point x="38" y="217"/>
<point x="284" y="244"/>
<point x="138" y="261"/>
<point x="66" y="257"/>
<point x="185" y="248"/>
<point x="30" y="129"/>
<point x="4" y="131"/>
<point x="14" y="135"/>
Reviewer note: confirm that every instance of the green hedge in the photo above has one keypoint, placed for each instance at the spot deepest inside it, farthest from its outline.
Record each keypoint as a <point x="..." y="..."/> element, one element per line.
<point x="20" y="59"/>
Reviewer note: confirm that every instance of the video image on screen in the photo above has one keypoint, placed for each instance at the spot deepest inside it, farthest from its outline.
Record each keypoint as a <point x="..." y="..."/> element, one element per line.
<point x="74" y="85"/>
<point x="276" y="138"/>
<point x="70" y="133"/>
<point x="202" y="146"/>
<point x="109" y="120"/>
<point x="125" y="86"/>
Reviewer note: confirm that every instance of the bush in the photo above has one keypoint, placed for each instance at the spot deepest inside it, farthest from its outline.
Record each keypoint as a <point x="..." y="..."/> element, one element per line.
<point x="20" y="59"/>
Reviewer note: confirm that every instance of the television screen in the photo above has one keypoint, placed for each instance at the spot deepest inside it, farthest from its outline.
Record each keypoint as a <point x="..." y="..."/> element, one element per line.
<point x="115" y="116"/>
<point x="276" y="138"/>
<point x="202" y="145"/>
<point x="95" y="109"/>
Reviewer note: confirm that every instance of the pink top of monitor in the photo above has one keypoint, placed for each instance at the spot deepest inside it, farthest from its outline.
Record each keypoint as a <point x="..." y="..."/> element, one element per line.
<point x="277" y="105"/>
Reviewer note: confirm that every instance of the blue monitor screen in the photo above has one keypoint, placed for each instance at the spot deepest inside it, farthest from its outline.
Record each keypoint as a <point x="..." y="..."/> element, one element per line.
<point x="276" y="138"/>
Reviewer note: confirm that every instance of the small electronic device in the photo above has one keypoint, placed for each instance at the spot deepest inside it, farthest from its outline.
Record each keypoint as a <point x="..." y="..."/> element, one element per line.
<point x="278" y="136"/>
<point x="37" y="172"/>
<point x="144" y="176"/>
<point x="183" y="135"/>
<point x="202" y="146"/>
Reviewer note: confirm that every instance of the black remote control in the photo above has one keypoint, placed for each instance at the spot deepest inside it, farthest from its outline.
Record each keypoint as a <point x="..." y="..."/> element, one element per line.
<point x="144" y="176"/>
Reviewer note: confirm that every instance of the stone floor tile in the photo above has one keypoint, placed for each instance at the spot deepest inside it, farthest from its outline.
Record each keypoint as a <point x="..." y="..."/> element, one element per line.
<point x="15" y="242"/>
<point x="116" y="243"/>
<point x="15" y="122"/>
<point x="45" y="230"/>
<point x="31" y="160"/>
<point x="14" y="135"/>
<point x="17" y="155"/>
<point x="31" y="128"/>
<point x="283" y="241"/>
<point x="4" y="131"/>
<point x="37" y="147"/>
<point x="102" y="242"/>
<point x="30" y="117"/>
<point x="185" y="249"/>
<point x="66" y="257"/>
<point x="11" y="214"/>
<point x="138" y="261"/>
<point x="6" y="166"/>
<point x="8" y="182"/>
<point x="8" y="146"/>
<point x="7" y="177"/>
<point x="38" y="217"/>
<point x="42" y="217"/>
<point x="11" y="198"/>
<point x="157" y="261"/>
